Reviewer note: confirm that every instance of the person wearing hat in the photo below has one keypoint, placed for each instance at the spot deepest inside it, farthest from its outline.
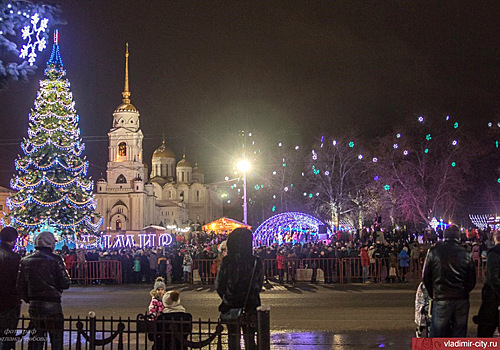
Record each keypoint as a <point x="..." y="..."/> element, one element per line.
<point x="10" y="303"/>
<point x="449" y="276"/>
<point x="174" y="315"/>
<point x="156" y="306"/>
<point x="41" y="280"/>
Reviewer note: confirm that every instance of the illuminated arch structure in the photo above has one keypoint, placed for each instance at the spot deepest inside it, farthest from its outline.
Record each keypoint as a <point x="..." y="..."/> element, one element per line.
<point x="302" y="226"/>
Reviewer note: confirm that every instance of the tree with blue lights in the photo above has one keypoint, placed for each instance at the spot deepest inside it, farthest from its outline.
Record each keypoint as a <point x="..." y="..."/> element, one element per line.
<point x="31" y="21"/>
<point x="51" y="180"/>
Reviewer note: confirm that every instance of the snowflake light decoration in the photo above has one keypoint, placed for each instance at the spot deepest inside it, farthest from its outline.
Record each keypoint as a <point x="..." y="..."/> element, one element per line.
<point x="36" y="39"/>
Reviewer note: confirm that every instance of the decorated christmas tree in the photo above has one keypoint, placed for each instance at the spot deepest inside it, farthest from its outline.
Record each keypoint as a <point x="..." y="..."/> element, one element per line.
<point x="53" y="189"/>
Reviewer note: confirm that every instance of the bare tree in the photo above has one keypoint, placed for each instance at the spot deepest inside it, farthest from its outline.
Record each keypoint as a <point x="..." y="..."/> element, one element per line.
<point x="423" y="167"/>
<point x="337" y="177"/>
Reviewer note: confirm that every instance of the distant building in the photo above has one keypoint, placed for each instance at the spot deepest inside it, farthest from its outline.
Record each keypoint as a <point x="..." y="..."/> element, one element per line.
<point x="129" y="201"/>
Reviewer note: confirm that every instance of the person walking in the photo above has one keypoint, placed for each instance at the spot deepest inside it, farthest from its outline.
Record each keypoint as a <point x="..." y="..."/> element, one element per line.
<point x="488" y="318"/>
<point x="449" y="276"/>
<point x="10" y="303"/>
<point x="238" y="283"/>
<point x="41" y="280"/>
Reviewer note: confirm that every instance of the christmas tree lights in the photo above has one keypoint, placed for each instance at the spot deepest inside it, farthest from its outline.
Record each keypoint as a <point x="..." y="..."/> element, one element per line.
<point x="51" y="176"/>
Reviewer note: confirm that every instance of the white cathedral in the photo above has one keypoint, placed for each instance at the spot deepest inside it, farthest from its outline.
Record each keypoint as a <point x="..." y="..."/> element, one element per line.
<point x="129" y="200"/>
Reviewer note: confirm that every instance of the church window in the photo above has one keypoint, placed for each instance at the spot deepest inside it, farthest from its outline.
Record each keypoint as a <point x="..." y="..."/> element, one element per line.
<point x="182" y="176"/>
<point x="121" y="180"/>
<point x="132" y="121"/>
<point x="169" y="194"/>
<point x="198" y="195"/>
<point x="118" y="225"/>
<point x="122" y="149"/>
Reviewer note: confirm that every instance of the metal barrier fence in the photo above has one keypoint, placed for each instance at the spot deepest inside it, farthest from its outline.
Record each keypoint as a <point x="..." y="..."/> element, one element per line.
<point x="173" y="332"/>
<point x="96" y="271"/>
<point x="327" y="270"/>
<point x="352" y="270"/>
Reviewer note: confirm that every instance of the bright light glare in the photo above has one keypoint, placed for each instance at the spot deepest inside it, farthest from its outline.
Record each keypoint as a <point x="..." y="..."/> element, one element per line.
<point x="244" y="166"/>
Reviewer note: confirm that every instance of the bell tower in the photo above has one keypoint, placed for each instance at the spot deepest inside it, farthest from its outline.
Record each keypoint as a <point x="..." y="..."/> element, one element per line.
<point x="125" y="163"/>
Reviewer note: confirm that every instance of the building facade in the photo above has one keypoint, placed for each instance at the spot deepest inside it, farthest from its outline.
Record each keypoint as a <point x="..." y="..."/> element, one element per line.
<point x="129" y="200"/>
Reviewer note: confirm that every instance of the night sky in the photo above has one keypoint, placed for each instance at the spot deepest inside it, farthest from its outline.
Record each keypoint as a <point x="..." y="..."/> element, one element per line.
<point x="200" y="70"/>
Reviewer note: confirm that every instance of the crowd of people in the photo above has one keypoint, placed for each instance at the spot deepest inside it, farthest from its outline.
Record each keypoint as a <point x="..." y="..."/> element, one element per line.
<point x="400" y="253"/>
<point x="39" y="278"/>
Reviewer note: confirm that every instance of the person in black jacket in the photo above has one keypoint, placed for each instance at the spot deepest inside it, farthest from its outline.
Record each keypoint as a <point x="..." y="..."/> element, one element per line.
<point x="41" y="280"/>
<point x="234" y="282"/>
<point x="10" y="303"/>
<point x="488" y="318"/>
<point x="449" y="276"/>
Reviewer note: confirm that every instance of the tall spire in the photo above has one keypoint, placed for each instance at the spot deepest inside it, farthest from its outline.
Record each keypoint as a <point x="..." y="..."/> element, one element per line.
<point x="55" y="61"/>
<point x="126" y="92"/>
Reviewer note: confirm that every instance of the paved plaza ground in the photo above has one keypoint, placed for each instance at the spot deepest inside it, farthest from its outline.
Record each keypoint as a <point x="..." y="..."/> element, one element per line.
<point x="303" y="316"/>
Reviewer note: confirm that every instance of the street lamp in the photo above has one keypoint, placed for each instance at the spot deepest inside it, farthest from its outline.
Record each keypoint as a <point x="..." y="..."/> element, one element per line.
<point x="244" y="166"/>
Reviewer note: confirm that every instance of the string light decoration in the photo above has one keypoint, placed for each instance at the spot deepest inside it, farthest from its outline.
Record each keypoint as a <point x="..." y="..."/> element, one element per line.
<point x="51" y="181"/>
<point x="278" y="226"/>
<point x="36" y="39"/>
<point x="481" y="221"/>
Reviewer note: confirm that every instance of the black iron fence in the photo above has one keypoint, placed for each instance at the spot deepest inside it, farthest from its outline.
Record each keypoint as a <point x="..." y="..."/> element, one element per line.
<point x="177" y="332"/>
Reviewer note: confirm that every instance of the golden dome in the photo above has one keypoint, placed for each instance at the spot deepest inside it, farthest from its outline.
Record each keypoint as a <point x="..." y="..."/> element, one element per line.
<point x="183" y="162"/>
<point x="163" y="152"/>
<point x="196" y="169"/>
<point x="126" y="107"/>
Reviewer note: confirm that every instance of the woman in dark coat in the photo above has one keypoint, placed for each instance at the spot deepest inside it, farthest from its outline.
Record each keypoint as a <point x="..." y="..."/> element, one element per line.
<point x="233" y="281"/>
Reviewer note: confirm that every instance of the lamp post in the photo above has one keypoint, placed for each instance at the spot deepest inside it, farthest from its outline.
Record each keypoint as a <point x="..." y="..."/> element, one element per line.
<point x="244" y="166"/>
